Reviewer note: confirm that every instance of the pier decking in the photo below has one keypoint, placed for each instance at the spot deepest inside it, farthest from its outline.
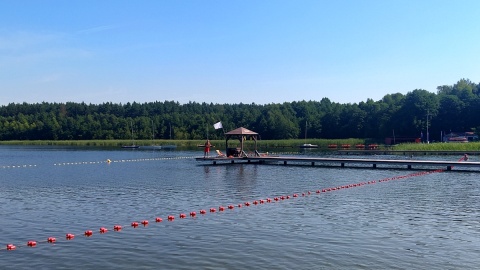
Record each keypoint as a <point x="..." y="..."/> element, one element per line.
<point x="350" y="162"/>
<point x="405" y="152"/>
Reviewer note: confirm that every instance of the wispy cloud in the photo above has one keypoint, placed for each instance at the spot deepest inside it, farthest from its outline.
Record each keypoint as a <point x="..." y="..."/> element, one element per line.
<point x="98" y="29"/>
<point x="49" y="78"/>
<point x="21" y="40"/>
<point x="21" y="49"/>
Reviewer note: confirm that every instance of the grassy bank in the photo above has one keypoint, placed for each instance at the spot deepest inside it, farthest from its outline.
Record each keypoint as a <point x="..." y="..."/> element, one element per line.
<point x="471" y="146"/>
<point x="322" y="143"/>
<point x="102" y="143"/>
<point x="262" y="144"/>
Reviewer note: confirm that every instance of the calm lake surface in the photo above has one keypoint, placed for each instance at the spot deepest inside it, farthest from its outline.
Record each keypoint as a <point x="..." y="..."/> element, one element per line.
<point x="425" y="222"/>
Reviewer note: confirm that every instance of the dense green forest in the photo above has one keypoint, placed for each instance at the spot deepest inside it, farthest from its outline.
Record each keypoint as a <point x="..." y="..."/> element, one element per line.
<point x="453" y="108"/>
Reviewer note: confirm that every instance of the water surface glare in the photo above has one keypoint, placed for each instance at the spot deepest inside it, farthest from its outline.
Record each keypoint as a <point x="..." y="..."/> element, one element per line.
<point x="430" y="221"/>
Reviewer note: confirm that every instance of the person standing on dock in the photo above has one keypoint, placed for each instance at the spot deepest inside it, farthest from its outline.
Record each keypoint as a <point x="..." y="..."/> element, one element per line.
<point x="206" y="150"/>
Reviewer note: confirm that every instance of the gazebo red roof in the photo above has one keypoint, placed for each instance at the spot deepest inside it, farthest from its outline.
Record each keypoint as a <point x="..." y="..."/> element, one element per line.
<point x="241" y="131"/>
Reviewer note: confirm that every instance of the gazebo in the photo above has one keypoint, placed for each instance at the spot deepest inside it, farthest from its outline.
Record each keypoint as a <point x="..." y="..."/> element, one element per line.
<point x="242" y="134"/>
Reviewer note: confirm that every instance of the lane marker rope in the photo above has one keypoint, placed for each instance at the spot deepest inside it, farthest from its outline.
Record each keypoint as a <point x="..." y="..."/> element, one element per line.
<point x="18" y="166"/>
<point x="96" y="162"/>
<point x="108" y="161"/>
<point x="193" y="214"/>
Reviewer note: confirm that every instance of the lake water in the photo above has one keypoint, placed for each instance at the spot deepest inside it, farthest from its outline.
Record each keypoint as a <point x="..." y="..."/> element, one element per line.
<point x="430" y="221"/>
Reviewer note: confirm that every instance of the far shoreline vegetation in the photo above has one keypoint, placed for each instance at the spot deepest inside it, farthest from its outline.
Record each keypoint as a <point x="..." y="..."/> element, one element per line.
<point x="419" y="115"/>
<point x="277" y="145"/>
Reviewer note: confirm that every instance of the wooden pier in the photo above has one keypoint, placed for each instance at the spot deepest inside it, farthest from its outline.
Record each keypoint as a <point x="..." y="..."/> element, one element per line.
<point x="349" y="162"/>
<point x="405" y="152"/>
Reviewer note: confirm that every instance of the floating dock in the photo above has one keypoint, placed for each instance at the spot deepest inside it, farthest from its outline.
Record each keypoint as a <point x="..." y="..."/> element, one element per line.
<point x="347" y="162"/>
<point x="404" y="152"/>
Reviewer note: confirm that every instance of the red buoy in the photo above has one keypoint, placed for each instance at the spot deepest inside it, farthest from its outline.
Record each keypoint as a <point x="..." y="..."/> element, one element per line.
<point x="103" y="230"/>
<point x="193" y="213"/>
<point x="221" y="208"/>
<point x="213" y="210"/>
<point x="117" y="228"/>
<point x="158" y="219"/>
<point x="88" y="233"/>
<point x="144" y="222"/>
<point x="247" y="204"/>
<point x="269" y="200"/>
<point x="69" y="236"/>
<point x="203" y="212"/>
<point x="183" y="215"/>
<point x="31" y="243"/>
<point x="51" y="240"/>
<point x="171" y="218"/>
<point x="239" y="205"/>
<point x="255" y="202"/>
<point x="134" y="224"/>
<point x="230" y="207"/>
<point x="295" y="195"/>
<point x="11" y="247"/>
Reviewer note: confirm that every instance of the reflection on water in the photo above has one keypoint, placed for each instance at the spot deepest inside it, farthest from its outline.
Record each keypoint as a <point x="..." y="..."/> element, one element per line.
<point x="430" y="221"/>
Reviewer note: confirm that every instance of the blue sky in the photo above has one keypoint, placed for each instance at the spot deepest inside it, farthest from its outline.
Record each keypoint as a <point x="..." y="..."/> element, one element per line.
<point x="233" y="51"/>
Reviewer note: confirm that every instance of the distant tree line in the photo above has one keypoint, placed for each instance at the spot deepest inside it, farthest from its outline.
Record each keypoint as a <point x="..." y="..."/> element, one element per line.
<point x="453" y="108"/>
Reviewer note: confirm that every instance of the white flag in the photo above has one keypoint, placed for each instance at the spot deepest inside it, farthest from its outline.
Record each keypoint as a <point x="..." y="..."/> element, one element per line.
<point x="218" y="125"/>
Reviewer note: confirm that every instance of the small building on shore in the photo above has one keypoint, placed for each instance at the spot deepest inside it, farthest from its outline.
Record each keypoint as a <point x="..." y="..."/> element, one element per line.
<point x="460" y="137"/>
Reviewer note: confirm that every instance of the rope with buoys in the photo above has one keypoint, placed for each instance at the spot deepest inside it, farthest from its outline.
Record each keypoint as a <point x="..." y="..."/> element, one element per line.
<point x="18" y="166"/>
<point x="193" y="214"/>
<point x="108" y="161"/>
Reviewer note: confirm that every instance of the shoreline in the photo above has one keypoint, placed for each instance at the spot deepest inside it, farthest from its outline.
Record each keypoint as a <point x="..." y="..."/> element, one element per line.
<point x="340" y="145"/>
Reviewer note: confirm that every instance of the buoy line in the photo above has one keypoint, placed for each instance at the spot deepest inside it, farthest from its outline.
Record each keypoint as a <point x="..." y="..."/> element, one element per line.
<point x="193" y="214"/>
<point x="94" y="162"/>
<point x="17" y="166"/>
<point x="108" y="161"/>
